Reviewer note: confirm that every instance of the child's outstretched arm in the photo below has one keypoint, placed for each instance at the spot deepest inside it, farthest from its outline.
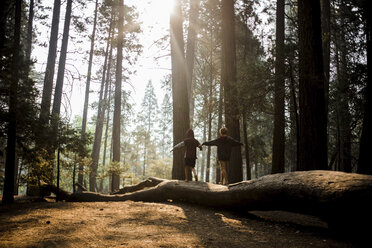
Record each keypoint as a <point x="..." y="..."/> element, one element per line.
<point x="210" y="143"/>
<point x="179" y="145"/>
<point x="200" y="146"/>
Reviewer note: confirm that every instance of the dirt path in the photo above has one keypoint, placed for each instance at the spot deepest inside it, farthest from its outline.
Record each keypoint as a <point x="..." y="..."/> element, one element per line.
<point x="139" y="224"/>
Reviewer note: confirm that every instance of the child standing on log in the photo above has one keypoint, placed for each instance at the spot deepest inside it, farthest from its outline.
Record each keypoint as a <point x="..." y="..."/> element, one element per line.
<point x="190" y="154"/>
<point x="224" y="145"/>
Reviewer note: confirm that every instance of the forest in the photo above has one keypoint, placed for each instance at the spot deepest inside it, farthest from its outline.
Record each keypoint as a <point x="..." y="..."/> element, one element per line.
<point x="291" y="80"/>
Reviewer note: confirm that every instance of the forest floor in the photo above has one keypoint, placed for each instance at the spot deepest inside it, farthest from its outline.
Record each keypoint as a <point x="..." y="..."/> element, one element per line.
<point x="141" y="224"/>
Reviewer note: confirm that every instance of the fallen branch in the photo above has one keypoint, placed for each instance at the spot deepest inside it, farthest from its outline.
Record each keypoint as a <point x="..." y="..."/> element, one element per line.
<point x="80" y="187"/>
<point x="150" y="182"/>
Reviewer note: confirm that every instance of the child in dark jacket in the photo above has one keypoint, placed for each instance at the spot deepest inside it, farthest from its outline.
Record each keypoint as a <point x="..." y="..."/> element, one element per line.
<point x="190" y="154"/>
<point x="224" y="145"/>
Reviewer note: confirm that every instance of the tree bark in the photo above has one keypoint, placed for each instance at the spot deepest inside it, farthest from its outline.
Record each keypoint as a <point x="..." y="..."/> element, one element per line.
<point x="313" y="120"/>
<point x="49" y="71"/>
<point x="117" y="107"/>
<point x="4" y="13"/>
<point x="228" y="78"/>
<point x="108" y="107"/>
<point x="60" y="75"/>
<point x="279" y="124"/>
<point x="29" y="32"/>
<point x="74" y="174"/>
<point x="210" y="109"/>
<point x="12" y="124"/>
<point x="295" y="114"/>
<point x="181" y="117"/>
<point x="202" y="169"/>
<point x="190" y="53"/>
<point x="220" y="114"/>
<point x="100" y="120"/>
<point x="246" y="148"/>
<point x="89" y="75"/>
<point x="337" y="121"/>
<point x="365" y="163"/>
<point x="207" y="175"/>
<point x="342" y="106"/>
<point x="326" y="39"/>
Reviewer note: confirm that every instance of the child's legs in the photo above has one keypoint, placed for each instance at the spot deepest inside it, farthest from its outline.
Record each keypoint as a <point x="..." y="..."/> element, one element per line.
<point x="187" y="173"/>
<point x="189" y="165"/>
<point x="223" y="171"/>
<point x="193" y="170"/>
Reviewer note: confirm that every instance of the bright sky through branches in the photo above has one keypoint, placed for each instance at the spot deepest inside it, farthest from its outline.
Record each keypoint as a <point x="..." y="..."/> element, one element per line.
<point x="153" y="64"/>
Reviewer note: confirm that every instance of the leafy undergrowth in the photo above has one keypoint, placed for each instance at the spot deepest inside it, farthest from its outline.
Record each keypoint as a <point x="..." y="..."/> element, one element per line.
<point x="140" y="224"/>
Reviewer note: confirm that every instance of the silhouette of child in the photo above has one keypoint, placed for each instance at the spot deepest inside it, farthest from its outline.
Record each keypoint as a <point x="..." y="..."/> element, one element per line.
<point x="224" y="145"/>
<point x="190" y="153"/>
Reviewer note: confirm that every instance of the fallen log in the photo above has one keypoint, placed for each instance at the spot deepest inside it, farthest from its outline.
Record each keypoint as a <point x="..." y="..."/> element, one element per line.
<point x="341" y="199"/>
<point x="80" y="187"/>
<point x="150" y="182"/>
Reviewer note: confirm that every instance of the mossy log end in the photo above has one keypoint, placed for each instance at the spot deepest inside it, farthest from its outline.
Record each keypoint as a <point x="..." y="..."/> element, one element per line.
<point x="336" y="197"/>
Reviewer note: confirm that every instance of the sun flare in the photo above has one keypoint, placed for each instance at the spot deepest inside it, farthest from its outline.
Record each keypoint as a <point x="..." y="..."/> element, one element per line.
<point x="164" y="7"/>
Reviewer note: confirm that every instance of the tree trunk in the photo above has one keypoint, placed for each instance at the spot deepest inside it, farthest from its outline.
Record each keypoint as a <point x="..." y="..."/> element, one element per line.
<point x="117" y="109"/>
<point x="337" y="110"/>
<point x="279" y="124"/>
<point x="29" y="32"/>
<point x="100" y="120"/>
<point x="74" y="174"/>
<point x="313" y="120"/>
<point x="342" y="107"/>
<point x="108" y="107"/>
<point x="207" y="174"/>
<point x="12" y="124"/>
<point x="210" y="107"/>
<point x="295" y="114"/>
<point x="16" y="171"/>
<point x="20" y="164"/>
<point x="246" y="148"/>
<point x="365" y="163"/>
<point x="220" y="114"/>
<point x="49" y="71"/>
<point x="60" y="76"/>
<point x="228" y="77"/>
<point x="190" y="53"/>
<point x="326" y="38"/>
<point x="204" y="153"/>
<point x="181" y="117"/>
<point x="144" y="159"/>
<point x="89" y="74"/>
<point x="4" y="13"/>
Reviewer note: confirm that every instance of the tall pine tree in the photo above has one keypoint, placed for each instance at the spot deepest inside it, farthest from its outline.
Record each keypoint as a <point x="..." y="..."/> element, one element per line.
<point x="115" y="180"/>
<point x="13" y="101"/>
<point x="279" y="124"/>
<point x="228" y="77"/>
<point x="181" y="118"/>
<point x="313" y="120"/>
